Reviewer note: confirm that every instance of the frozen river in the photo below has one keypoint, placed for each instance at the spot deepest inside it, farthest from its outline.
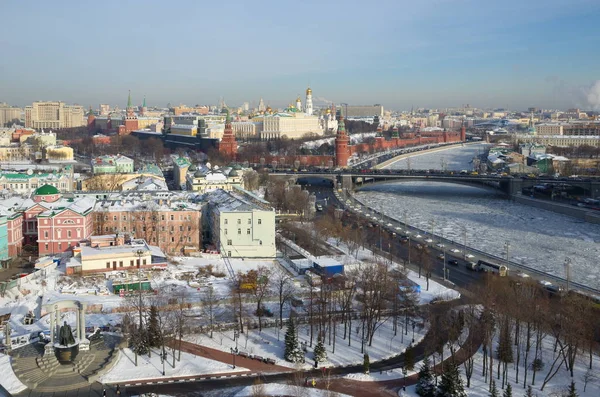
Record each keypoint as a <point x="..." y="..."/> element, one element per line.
<point x="537" y="238"/>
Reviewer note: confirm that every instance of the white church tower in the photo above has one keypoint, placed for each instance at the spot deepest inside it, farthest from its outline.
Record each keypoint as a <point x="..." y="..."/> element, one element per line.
<point x="309" y="105"/>
<point x="299" y="103"/>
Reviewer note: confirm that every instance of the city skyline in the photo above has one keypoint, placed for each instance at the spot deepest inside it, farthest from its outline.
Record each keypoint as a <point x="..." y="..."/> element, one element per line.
<point x="429" y="54"/>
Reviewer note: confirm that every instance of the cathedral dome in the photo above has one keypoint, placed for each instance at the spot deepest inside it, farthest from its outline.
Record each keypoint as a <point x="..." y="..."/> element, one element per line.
<point x="308" y="91"/>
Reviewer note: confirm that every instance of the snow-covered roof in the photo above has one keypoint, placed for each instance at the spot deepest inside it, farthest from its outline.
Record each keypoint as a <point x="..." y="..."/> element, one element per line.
<point x="231" y="202"/>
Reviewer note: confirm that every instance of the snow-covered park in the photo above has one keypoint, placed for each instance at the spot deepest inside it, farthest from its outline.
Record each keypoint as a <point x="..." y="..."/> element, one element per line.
<point x="537" y="238"/>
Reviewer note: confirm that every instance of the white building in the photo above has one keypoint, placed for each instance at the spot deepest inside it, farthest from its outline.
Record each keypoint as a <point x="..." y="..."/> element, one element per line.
<point x="112" y="164"/>
<point x="238" y="227"/>
<point x="204" y="180"/>
<point x="292" y="124"/>
<point x="108" y="253"/>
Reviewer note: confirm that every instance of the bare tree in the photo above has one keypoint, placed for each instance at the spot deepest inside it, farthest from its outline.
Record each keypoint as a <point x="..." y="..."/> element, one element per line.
<point x="282" y="281"/>
<point x="210" y="303"/>
<point x="259" y="290"/>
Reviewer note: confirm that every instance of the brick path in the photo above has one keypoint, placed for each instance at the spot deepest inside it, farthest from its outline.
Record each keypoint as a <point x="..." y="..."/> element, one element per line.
<point x="227" y="358"/>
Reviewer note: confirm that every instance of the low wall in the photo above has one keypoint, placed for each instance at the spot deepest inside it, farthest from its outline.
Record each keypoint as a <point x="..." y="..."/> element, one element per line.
<point x="569" y="210"/>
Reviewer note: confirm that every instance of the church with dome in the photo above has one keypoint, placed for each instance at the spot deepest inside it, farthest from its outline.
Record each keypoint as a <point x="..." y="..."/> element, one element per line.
<point x="294" y="122"/>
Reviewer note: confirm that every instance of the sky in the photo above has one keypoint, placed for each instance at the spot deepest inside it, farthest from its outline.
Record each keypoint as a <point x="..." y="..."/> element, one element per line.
<point x="422" y="53"/>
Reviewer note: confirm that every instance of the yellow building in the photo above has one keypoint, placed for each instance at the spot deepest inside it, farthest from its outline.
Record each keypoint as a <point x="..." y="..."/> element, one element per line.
<point x="184" y="129"/>
<point x="292" y="124"/>
<point x="54" y="115"/>
<point x="208" y="181"/>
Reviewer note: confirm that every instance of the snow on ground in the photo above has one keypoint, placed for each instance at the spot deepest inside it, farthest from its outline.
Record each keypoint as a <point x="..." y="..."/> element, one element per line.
<point x="278" y="389"/>
<point x="436" y="290"/>
<point x="537" y="238"/>
<point x="479" y="388"/>
<point x="151" y="368"/>
<point x="9" y="380"/>
<point x="270" y="342"/>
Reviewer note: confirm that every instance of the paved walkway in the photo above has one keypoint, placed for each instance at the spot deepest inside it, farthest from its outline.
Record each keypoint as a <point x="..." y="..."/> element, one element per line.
<point x="227" y="358"/>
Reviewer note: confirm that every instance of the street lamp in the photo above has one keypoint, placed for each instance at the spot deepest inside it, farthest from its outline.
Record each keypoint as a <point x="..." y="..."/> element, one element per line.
<point x="464" y="243"/>
<point x="404" y="372"/>
<point x="233" y="352"/>
<point x="568" y="271"/>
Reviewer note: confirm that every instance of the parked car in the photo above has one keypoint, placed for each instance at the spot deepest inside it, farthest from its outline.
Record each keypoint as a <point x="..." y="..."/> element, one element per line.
<point x="453" y="262"/>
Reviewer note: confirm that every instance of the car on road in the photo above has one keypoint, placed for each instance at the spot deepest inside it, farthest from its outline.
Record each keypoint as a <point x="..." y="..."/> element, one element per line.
<point x="441" y="256"/>
<point x="470" y="256"/>
<point x="398" y="228"/>
<point x="319" y="207"/>
<point x="389" y="225"/>
<point x="404" y="240"/>
<point x="453" y="262"/>
<point x="440" y="245"/>
<point x="456" y="251"/>
<point x="417" y="236"/>
<point x="428" y="240"/>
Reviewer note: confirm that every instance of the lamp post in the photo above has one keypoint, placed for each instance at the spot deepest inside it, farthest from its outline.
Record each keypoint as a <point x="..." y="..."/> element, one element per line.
<point x="404" y="372"/>
<point x="139" y="254"/>
<point x="464" y="230"/>
<point x="413" y="327"/>
<point x="233" y="352"/>
<point x="568" y="271"/>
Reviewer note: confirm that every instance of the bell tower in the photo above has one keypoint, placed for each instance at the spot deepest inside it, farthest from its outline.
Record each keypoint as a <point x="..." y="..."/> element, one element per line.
<point x="228" y="144"/>
<point x="309" y="104"/>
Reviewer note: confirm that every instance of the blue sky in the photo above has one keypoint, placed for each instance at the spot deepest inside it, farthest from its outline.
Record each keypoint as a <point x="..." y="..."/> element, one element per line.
<point x="431" y="53"/>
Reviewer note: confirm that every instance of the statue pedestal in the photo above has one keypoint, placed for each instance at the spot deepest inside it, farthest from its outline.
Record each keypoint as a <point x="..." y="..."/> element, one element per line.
<point x="48" y="349"/>
<point x="66" y="354"/>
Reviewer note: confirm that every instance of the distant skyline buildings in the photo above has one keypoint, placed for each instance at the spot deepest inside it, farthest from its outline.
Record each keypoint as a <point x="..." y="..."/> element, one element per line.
<point x="398" y="53"/>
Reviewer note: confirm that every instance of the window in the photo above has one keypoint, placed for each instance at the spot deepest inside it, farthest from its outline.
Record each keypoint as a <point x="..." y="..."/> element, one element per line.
<point x="45" y="234"/>
<point x="108" y="265"/>
<point x="189" y="239"/>
<point x="229" y="242"/>
<point x="124" y="217"/>
<point x="68" y="234"/>
<point x="239" y="231"/>
<point x="181" y="228"/>
<point x="124" y="228"/>
<point x="239" y="221"/>
<point x="114" y="217"/>
<point x="259" y="221"/>
<point x="228" y="253"/>
<point x="249" y="221"/>
<point x="131" y="263"/>
<point x="162" y="217"/>
<point x="144" y="262"/>
<point x="162" y="228"/>
<point x="46" y="246"/>
<point x="59" y="246"/>
<point x="259" y="242"/>
<point x="172" y="239"/>
<point x="189" y="228"/>
<point x="172" y="218"/>
<point x="225" y="231"/>
<point x="247" y="231"/>
<point x="225" y="221"/>
<point x="120" y="263"/>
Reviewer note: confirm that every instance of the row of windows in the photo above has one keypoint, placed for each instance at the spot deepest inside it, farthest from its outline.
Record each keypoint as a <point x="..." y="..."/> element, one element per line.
<point x="248" y="231"/>
<point x="143" y="218"/>
<point x="230" y="242"/>
<point x="239" y="221"/>
<point x="143" y="229"/>
<point x="59" y="233"/>
<point x="131" y="263"/>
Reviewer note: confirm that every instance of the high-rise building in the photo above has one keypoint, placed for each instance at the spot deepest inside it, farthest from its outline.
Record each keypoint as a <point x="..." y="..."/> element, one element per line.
<point x="8" y="114"/>
<point x="54" y="115"/>
<point x="104" y="109"/>
<point x="261" y="106"/>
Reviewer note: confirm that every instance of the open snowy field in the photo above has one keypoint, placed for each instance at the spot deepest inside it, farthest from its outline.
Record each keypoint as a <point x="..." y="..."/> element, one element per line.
<point x="151" y="368"/>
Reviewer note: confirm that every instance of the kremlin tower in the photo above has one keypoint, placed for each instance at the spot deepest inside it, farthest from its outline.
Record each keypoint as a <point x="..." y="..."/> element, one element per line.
<point x="228" y="144"/>
<point x="342" y="149"/>
<point x="130" y="122"/>
<point x="144" y="108"/>
<point x="91" y="120"/>
<point x="309" y="104"/>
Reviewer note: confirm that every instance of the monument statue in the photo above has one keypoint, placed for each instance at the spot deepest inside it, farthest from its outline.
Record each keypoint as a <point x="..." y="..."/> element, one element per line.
<point x="65" y="336"/>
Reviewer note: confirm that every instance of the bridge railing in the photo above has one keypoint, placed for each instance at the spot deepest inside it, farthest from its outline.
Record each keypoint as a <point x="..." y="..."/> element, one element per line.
<point x="511" y="264"/>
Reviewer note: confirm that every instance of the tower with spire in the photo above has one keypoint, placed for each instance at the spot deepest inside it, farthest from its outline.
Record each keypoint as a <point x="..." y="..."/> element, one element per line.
<point x="91" y="120"/>
<point x="144" y="108"/>
<point x="299" y="103"/>
<point x="130" y="122"/>
<point x="228" y="144"/>
<point x="261" y="106"/>
<point x="308" y="103"/>
<point x="342" y="141"/>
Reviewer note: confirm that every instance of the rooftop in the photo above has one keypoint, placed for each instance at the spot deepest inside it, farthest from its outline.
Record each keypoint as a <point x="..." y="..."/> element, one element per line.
<point x="231" y="202"/>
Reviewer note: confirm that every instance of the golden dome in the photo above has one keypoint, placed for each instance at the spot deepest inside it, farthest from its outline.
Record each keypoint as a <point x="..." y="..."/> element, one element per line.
<point x="298" y="99"/>
<point x="269" y="108"/>
<point x="308" y="91"/>
<point x="328" y="111"/>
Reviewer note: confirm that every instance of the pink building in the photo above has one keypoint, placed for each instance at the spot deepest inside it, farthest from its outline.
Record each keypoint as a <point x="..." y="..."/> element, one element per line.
<point x="56" y="224"/>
